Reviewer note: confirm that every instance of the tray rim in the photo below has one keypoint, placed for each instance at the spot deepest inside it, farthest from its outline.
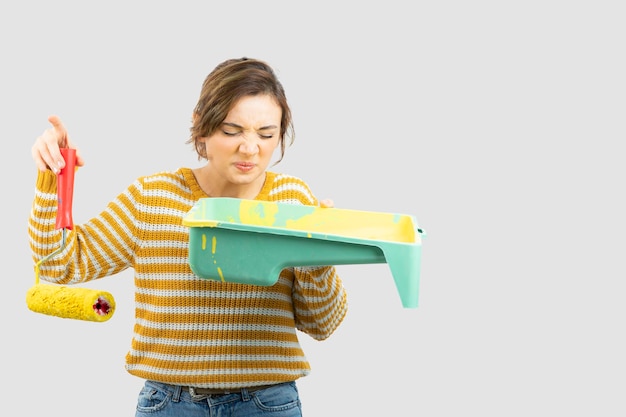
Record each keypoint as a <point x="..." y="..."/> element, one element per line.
<point x="208" y="223"/>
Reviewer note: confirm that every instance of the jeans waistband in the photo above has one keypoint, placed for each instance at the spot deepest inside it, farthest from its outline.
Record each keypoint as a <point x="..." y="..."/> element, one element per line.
<point x="203" y="392"/>
<point x="195" y="391"/>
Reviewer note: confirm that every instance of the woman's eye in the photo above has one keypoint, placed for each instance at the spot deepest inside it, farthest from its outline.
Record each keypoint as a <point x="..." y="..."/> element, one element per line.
<point x="237" y="132"/>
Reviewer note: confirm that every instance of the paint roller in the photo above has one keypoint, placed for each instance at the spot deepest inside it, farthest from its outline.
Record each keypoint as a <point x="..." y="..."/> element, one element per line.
<point x="59" y="300"/>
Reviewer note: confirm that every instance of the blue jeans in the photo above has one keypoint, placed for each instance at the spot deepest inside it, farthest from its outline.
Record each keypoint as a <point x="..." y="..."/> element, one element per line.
<point x="163" y="400"/>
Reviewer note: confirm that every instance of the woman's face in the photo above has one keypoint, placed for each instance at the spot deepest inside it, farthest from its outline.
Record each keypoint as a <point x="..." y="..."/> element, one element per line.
<point x="242" y="148"/>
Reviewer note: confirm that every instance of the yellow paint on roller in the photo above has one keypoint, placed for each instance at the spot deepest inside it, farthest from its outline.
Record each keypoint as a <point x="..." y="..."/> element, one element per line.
<point x="213" y="245"/>
<point x="70" y="303"/>
<point x="219" y="271"/>
<point x="203" y="241"/>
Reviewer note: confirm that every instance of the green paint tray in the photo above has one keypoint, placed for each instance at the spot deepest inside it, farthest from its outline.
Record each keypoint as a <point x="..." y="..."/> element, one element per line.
<point x="251" y="241"/>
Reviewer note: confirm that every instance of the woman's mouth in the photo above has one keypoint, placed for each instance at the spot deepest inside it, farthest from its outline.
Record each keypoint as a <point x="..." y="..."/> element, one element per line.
<point x="244" y="166"/>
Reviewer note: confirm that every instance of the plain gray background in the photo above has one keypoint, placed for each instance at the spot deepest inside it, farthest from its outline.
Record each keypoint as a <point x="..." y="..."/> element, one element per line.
<point x="497" y="124"/>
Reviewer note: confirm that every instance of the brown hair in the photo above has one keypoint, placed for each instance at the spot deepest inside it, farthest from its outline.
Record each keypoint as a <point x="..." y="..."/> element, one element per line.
<point x="227" y="83"/>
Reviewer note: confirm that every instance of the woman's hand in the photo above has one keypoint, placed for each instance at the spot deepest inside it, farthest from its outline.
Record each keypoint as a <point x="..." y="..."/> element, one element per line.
<point x="327" y="203"/>
<point x="45" y="151"/>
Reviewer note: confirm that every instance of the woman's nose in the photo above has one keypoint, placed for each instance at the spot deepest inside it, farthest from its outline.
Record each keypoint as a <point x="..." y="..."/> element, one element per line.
<point x="249" y="145"/>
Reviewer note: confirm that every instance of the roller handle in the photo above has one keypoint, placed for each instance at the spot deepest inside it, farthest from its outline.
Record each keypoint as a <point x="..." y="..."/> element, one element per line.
<point x="65" y="190"/>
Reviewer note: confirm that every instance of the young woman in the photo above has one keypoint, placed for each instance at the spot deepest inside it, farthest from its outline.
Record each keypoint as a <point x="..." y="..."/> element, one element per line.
<point x="204" y="347"/>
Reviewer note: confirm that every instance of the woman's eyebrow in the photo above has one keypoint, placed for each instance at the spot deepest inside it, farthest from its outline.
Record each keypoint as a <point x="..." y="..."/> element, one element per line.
<point x="235" y="125"/>
<point x="232" y="125"/>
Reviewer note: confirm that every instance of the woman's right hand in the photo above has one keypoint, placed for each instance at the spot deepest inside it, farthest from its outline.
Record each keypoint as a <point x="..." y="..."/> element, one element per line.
<point x="45" y="151"/>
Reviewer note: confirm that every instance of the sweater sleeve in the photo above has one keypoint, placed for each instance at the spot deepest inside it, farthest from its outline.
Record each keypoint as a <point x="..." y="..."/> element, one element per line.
<point x="320" y="300"/>
<point x="89" y="251"/>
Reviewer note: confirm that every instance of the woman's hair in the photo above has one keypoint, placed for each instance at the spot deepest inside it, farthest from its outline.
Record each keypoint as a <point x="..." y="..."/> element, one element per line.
<point x="230" y="81"/>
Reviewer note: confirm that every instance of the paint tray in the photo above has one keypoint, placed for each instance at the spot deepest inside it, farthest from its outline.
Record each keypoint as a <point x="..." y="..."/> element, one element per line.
<point x="251" y="241"/>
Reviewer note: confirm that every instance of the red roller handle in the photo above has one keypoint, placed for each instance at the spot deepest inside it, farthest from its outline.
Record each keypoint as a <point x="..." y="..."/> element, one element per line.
<point x="65" y="190"/>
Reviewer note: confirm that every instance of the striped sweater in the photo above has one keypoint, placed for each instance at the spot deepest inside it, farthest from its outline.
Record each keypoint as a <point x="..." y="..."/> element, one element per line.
<point x="189" y="330"/>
